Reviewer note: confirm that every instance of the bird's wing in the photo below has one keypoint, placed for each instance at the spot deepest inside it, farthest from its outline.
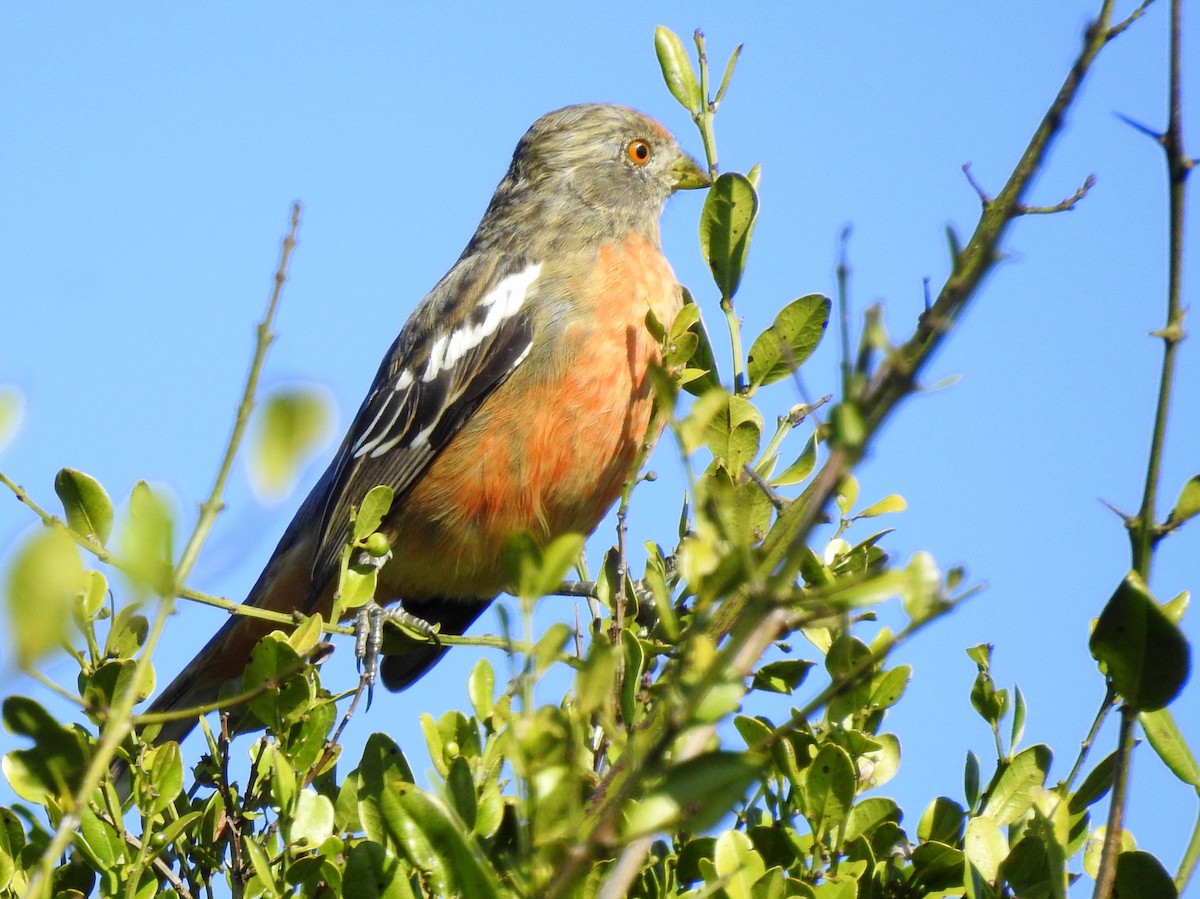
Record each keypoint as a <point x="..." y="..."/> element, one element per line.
<point x="461" y="343"/>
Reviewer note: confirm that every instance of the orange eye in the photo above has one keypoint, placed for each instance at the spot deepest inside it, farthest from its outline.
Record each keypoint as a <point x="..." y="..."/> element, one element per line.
<point x="638" y="152"/>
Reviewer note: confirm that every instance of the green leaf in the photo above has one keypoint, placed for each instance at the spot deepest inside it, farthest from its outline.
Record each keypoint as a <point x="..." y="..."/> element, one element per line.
<point x="1018" y="723"/>
<point x="1176" y="608"/>
<point x="382" y="767"/>
<point x="829" y="786"/>
<point x="259" y="861"/>
<point x="92" y="597"/>
<point x="888" y="687"/>
<point x="1164" y="735"/>
<point x="703" y="358"/>
<point x="783" y="676"/>
<point x="52" y="769"/>
<point x="942" y="821"/>
<point x="800" y="469"/>
<point x="981" y="655"/>
<point x="312" y="823"/>
<point x="460" y="790"/>
<point x="373" y="873"/>
<point x="677" y="69"/>
<point x="885" y="761"/>
<point x="88" y="508"/>
<point x="292" y="425"/>
<point x="100" y="841"/>
<point x="127" y="634"/>
<point x="433" y="838"/>
<point x="44" y="585"/>
<point x="971" y="779"/>
<point x="791" y="339"/>
<point x="846" y="424"/>
<point x="870" y="814"/>
<point x="846" y="657"/>
<point x="631" y="679"/>
<point x="595" y="678"/>
<point x="163" y="780"/>
<point x="737" y="864"/>
<point x="356" y="586"/>
<point x="481" y="689"/>
<point x="8" y="855"/>
<point x="10" y="413"/>
<point x="1188" y="504"/>
<point x="534" y="570"/>
<point x="375" y="505"/>
<point x="985" y="847"/>
<point x="1141" y="876"/>
<point x="1012" y="795"/>
<point x="1143" y="652"/>
<point x="726" y="225"/>
<point x="277" y="668"/>
<point x="938" y="866"/>
<point x="954" y="242"/>
<point x="734" y="433"/>
<point x="893" y="502"/>
<point x="1095" y="847"/>
<point x="695" y="794"/>
<point x="720" y="95"/>
<point x="146" y="541"/>
<point x="990" y="703"/>
<point x="549" y="648"/>
<point x="1098" y="782"/>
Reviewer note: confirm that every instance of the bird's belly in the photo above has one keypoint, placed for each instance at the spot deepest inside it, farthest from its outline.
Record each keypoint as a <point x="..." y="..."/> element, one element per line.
<point x="547" y="453"/>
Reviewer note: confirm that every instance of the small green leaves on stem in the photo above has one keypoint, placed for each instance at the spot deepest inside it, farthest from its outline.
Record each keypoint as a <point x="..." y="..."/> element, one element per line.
<point x="695" y="794"/>
<point x="677" y="69"/>
<point x="1168" y="741"/>
<point x="1142" y="651"/>
<point x="51" y="770"/>
<point x="146" y="542"/>
<point x="781" y="349"/>
<point x="375" y="505"/>
<point x="364" y="553"/>
<point x="1188" y="504"/>
<point x="534" y="570"/>
<point x="725" y="79"/>
<point x="726" y="225"/>
<point x="89" y="510"/>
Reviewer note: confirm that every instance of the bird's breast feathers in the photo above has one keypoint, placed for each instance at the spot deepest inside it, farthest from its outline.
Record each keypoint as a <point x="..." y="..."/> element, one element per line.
<point x="550" y="447"/>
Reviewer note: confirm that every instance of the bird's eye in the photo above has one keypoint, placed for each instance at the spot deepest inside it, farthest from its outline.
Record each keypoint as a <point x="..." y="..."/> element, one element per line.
<point x="638" y="151"/>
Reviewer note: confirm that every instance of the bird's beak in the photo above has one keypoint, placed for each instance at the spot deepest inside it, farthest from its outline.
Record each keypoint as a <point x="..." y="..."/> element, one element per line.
<point x="688" y="174"/>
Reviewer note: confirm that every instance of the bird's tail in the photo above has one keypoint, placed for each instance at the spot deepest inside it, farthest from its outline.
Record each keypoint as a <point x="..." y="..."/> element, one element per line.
<point x="193" y="687"/>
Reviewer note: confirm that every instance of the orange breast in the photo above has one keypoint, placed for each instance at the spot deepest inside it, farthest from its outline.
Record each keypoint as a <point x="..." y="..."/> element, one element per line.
<point x="549" y="451"/>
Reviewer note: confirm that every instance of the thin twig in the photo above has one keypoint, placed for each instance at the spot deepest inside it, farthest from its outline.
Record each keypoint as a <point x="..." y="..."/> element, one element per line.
<point x="1065" y="205"/>
<point x="1144" y="532"/>
<point x="120" y="721"/>
<point x="332" y="742"/>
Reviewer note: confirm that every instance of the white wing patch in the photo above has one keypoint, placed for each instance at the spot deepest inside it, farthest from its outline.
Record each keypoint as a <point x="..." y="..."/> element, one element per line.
<point x="501" y="302"/>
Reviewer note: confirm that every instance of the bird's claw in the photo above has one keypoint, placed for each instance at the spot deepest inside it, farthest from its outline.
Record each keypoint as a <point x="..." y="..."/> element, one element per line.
<point x="368" y="637"/>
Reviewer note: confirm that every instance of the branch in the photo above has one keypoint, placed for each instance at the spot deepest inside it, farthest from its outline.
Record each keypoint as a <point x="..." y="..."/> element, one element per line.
<point x="119" y="723"/>
<point x="895" y="377"/>
<point x="1144" y="532"/>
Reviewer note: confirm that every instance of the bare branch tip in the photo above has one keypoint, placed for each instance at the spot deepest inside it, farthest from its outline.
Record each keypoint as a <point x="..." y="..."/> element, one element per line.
<point x="1141" y="128"/>
<point x="984" y="197"/>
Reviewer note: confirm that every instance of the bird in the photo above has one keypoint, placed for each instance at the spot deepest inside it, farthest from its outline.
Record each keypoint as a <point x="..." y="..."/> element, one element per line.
<point x="515" y="398"/>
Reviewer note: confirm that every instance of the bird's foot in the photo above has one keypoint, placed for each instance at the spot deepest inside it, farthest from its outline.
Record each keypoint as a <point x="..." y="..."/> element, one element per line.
<point x="368" y="637"/>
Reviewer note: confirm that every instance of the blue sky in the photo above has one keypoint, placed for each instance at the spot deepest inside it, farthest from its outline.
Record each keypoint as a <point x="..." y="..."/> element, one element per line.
<point x="151" y="156"/>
